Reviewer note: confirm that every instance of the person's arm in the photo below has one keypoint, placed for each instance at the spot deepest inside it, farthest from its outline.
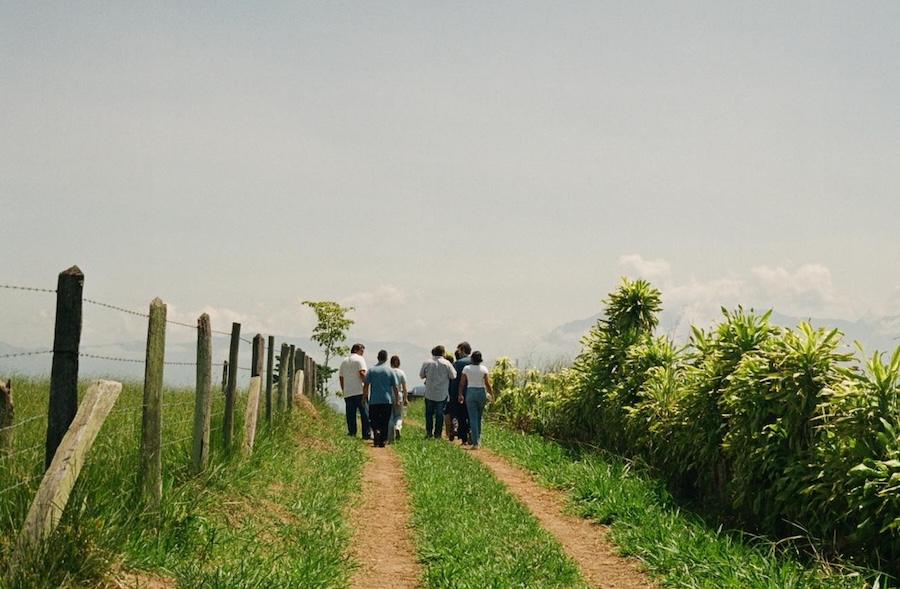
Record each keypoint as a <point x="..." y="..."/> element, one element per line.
<point x="405" y="394"/>
<point x="462" y="387"/>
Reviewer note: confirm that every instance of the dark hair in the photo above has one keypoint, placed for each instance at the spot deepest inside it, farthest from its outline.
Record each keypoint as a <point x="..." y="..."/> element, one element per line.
<point x="356" y="348"/>
<point x="465" y="348"/>
<point x="476" y="357"/>
<point x="382" y="355"/>
<point x="395" y="361"/>
<point x="437" y="351"/>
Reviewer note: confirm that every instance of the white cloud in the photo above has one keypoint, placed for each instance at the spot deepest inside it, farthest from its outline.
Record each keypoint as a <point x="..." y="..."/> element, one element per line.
<point x="648" y="269"/>
<point x="383" y="295"/>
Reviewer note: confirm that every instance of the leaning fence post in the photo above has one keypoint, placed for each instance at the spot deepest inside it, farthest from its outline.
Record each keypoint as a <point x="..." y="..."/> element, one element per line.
<point x="200" y="453"/>
<point x="270" y="366"/>
<point x="231" y="389"/>
<point x="53" y="494"/>
<point x="151" y="427"/>
<point x="64" y="371"/>
<point x="253" y="395"/>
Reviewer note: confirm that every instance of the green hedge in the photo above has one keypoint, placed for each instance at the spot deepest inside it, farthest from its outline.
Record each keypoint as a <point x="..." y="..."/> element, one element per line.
<point x="777" y="428"/>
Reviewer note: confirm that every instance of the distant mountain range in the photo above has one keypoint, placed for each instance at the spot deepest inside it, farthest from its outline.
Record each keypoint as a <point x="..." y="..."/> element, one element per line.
<point x="124" y="360"/>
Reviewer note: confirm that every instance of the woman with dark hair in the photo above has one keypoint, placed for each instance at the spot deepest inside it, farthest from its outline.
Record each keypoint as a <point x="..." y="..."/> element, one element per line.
<point x="475" y="391"/>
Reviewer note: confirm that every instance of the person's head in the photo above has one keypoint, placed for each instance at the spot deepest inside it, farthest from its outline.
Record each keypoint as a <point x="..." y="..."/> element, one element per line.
<point x="464" y="348"/>
<point x="476" y="357"/>
<point x="357" y="349"/>
<point x="437" y="351"/>
<point x="382" y="355"/>
<point x="395" y="361"/>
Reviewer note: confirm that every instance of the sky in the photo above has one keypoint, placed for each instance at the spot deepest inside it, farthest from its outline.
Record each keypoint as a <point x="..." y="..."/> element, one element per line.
<point x="480" y="171"/>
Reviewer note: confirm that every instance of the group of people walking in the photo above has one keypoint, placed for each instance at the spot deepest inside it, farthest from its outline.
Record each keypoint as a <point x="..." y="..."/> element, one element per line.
<point x="459" y="389"/>
<point x="378" y="395"/>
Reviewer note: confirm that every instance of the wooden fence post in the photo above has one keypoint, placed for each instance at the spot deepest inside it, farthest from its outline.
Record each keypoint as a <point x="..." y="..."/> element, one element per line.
<point x="151" y="428"/>
<point x="252" y="414"/>
<point x="309" y="375"/>
<point x="56" y="486"/>
<point x="291" y="371"/>
<point x="64" y="371"/>
<point x="231" y="389"/>
<point x="7" y="416"/>
<point x="203" y="399"/>
<point x="300" y="364"/>
<point x="270" y="371"/>
<point x="282" y="375"/>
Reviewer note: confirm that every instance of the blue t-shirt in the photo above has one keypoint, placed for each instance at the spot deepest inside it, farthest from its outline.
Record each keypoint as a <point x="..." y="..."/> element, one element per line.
<point x="381" y="379"/>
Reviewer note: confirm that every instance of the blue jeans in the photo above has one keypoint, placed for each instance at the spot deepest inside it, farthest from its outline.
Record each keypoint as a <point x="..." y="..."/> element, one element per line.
<point x="476" y="399"/>
<point x="434" y="417"/>
<point x="352" y="405"/>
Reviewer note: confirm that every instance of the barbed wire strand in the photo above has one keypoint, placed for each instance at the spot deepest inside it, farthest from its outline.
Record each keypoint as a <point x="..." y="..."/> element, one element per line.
<point x="113" y="307"/>
<point x="33" y="289"/>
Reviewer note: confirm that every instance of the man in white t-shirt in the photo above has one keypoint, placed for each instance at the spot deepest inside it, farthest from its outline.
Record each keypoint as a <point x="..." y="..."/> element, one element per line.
<point x="351" y="375"/>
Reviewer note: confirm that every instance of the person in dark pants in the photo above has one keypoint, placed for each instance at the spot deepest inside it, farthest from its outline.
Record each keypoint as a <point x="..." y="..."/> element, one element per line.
<point x="458" y="408"/>
<point x="381" y="392"/>
<point x="351" y="376"/>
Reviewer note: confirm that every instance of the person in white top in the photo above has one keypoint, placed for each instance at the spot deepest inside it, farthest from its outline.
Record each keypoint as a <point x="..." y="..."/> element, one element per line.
<point x="351" y="375"/>
<point x="400" y="408"/>
<point x="476" y="396"/>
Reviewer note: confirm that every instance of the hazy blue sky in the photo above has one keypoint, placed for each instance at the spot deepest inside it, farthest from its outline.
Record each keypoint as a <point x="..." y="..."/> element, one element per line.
<point x="453" y="170"/>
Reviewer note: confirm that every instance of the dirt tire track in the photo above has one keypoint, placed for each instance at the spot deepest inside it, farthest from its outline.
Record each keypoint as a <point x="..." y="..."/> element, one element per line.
<point x="582" y="540"/>
<point x="381" y="540"/>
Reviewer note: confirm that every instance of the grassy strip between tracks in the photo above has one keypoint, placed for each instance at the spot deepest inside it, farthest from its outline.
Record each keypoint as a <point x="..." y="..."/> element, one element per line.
<point x="469" y="531"/>
<point x="678" y="547"/>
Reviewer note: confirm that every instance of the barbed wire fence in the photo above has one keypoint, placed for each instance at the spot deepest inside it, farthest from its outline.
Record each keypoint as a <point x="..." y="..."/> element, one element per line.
<point x="24" y="448"/>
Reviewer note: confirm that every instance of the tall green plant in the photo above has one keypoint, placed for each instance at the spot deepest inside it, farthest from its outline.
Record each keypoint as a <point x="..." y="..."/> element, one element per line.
<point x="772" y="402"/>
<point x="597" y="410"/>
<point x="696" y="463"/>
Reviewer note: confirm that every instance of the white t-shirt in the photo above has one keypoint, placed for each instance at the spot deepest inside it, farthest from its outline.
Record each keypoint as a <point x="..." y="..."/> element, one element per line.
<point x="475" y="375"/>
<point x="401" y="380"/>
<point x="353" y="385"/>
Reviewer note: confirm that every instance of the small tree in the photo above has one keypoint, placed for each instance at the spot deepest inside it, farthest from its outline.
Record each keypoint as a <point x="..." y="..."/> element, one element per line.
<point x="330" y="332"/>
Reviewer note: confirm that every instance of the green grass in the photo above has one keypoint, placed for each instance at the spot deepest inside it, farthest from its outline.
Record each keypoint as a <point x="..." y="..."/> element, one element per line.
<point x="678" y="547"/>
<point x="468" y="530"/>
<point x="276" y="519"/>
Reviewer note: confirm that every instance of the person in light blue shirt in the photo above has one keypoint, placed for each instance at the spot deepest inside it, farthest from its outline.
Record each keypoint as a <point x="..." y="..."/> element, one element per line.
<point x="380" y="391"/>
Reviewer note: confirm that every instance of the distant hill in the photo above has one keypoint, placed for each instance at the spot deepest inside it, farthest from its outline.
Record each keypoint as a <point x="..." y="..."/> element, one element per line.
<point x="559" y="346"/>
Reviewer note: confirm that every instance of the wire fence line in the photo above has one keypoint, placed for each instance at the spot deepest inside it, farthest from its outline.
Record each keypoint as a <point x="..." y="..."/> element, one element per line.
<point x="116" y="308"/>
<point x="119" y="309"/>
<point x="150" y="420"/>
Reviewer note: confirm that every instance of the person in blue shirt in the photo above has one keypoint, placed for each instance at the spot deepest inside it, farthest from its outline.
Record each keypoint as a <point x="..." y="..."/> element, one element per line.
<point x="380" y="392"/>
